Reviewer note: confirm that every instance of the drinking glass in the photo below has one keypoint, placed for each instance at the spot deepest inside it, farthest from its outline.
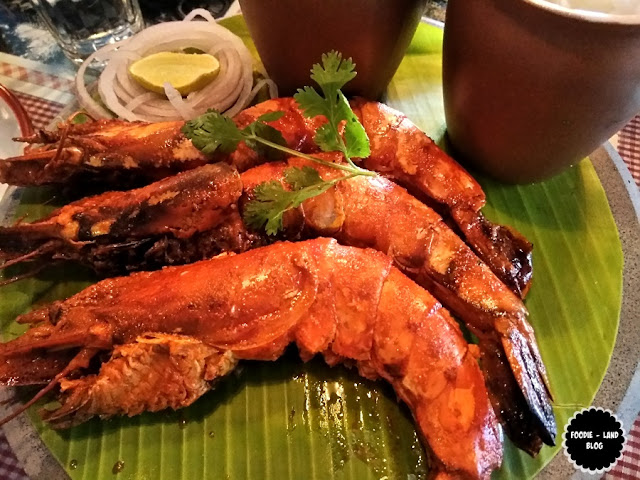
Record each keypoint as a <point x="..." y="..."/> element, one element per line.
<point x="83" y="26"/>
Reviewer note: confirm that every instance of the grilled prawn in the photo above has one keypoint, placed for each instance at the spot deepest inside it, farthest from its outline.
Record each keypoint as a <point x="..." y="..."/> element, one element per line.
<point x="177" y="220"/>
<point x="167" y="346"/>
<point x="117" y="152"/>
<point x="372" y="212"/>
<point x="376" y="213"/>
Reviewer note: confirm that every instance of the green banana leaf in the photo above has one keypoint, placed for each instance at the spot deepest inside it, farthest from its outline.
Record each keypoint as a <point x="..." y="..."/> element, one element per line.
<point x="289" y="420"/>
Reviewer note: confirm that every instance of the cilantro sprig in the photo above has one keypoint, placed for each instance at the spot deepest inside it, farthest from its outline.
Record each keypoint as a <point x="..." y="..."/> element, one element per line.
<point x="331" y="76"/>
<point x="272" y="200"/>
<point x="213" y="131"/>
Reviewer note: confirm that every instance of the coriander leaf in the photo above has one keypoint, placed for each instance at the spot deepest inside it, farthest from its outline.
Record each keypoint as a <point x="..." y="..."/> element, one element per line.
<point x="270" y="116"/>
<point x="212" y="131"/>
<point x="334" y="73"/>
<point x="299" y="178"/>
<point x="266" y="209"/>
<point x="311" y="102"/>
<point x="271" y="200"/>
<point x="257" y="131"/>
<point x="356" y="141"/>
<point x="313" y="191"/>
<point x="327" y="139"/>
<point x="355" y="135"/>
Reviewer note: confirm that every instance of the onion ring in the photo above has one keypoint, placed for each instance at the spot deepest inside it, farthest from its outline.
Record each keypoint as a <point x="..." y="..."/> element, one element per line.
<point x="230" y="92"/>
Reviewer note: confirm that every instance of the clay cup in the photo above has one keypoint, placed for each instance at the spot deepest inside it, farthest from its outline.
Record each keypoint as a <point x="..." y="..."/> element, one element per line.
<point x="531" y="88"/>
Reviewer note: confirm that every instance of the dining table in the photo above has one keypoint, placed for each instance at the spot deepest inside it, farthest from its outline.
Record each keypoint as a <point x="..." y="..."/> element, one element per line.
<point x="34" y="68"/>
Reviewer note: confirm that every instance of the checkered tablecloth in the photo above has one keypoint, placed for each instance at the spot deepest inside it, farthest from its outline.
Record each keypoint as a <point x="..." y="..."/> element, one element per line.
<point x="629" y="147"/>
<point x="628" y="467"/>
<point x="44" y="91"/>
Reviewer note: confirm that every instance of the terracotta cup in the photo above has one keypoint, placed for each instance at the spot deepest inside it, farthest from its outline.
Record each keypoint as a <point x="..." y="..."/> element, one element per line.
<point x="291" y="35"/>
<point x="531" y="88"/>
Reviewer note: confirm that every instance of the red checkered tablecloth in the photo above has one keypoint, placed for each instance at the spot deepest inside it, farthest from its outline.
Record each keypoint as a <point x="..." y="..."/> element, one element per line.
<point x="629" y="147"/>
<point x="41" y="112"/>
<point x="44" y="92"/>
<point x="628" y="467"/>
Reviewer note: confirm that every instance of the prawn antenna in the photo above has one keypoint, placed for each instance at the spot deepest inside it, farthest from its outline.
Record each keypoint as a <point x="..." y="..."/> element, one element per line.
<point x="81" y="360"/>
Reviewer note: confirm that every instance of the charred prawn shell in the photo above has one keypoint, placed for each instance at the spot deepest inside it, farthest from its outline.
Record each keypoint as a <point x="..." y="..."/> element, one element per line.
<point x="180" y="219"/>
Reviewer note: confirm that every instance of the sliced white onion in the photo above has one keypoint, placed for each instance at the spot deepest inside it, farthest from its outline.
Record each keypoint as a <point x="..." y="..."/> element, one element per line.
<point x="135" y="102"/>
<point x="199" y="12"/>
<point x="230" y="92"/>
<point x="271" y="86"/>
<point x="177" y="102"/>
<point x="92" y="107"/>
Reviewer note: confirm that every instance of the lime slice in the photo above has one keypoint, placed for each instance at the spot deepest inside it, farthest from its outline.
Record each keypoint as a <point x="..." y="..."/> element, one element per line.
<point x="184" y="71"/>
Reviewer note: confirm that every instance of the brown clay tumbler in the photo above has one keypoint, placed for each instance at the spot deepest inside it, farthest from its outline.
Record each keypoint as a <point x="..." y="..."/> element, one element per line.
<point x="292" y="35"/>
<point x="531" y="88"/>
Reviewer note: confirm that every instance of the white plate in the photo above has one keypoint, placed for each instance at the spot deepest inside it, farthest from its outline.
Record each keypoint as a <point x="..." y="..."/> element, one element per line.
<point x="14" y="122"/>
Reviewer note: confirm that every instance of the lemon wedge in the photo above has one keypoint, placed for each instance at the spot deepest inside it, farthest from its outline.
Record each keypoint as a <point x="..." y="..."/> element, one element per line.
<point x="186" y="72"/>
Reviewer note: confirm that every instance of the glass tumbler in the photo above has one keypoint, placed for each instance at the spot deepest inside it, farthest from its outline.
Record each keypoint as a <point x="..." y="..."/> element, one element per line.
<point x="83" y="26"/>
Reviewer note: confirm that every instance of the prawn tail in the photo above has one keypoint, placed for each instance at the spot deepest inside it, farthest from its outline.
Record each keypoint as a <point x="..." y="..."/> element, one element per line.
<point x="519" y="389"/>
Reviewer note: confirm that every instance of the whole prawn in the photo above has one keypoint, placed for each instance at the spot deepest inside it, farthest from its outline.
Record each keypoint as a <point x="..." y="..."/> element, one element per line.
<point x="117" y="153"/>
<point x="376" y="213"/>
<point x="177" y="220"/>
<point x="168" y="345"/>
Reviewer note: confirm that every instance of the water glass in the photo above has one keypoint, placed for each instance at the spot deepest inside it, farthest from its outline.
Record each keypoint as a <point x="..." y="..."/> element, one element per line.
<point x="83" y="26"/>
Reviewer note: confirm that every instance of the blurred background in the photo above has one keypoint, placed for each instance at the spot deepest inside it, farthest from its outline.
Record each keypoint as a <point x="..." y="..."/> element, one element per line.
<point x="22" y="34"/>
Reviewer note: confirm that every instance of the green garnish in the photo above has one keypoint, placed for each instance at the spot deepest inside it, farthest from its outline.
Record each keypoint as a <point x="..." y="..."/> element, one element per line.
<point x="272" y="200"/>
<point x="331" y="77"/>
<point x="213" y="131"/>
